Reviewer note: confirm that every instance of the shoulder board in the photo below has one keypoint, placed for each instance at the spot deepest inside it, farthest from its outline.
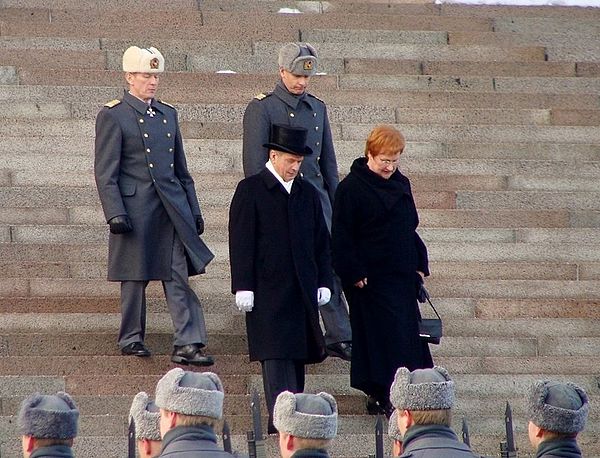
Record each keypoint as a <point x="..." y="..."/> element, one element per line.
<point x="112" y="103"/>
<point x="315" y="97"/>
<point x="262" y="96"/>
<point x="165" y="103"/>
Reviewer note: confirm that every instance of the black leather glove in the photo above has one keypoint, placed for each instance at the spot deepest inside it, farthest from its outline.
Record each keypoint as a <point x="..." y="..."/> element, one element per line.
<point x="422" y="294"/>
<point x="199" y="224"/>
<point x="120" y="224"/>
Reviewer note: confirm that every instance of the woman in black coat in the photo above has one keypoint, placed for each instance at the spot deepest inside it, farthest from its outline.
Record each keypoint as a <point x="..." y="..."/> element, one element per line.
<point x="381" y="260"/>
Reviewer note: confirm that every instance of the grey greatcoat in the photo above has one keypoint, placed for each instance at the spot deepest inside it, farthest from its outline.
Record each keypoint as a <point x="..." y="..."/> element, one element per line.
<point x="141" y="172"/>
<point x="434" y="441"/>
<point x="279" y="248"/>
<point x="192" y="442"/>
<point x="307" y="111"/>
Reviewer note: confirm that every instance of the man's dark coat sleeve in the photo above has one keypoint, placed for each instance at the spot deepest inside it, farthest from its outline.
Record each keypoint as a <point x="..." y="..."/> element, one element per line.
<point x="242" y="239"/>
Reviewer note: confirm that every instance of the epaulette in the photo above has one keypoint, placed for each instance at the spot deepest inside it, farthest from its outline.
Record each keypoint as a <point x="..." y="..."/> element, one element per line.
<point x="262" y="96"/>
<point x="112" y="103"/>
<point x="165" y="103"/>
<point x="314" y="97"/>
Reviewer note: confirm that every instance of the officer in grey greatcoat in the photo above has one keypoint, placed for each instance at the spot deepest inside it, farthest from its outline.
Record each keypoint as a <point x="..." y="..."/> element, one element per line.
<point x="48" y="424"/>
<point x="290" y="104"/>
<point x="149" y="201"/>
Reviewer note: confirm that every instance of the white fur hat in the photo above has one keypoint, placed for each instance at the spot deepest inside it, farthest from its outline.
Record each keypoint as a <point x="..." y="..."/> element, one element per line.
<point x="146" y="416"/>
<point x="312" y="416"/>
<point x="143" y="60"/>
<point x="191" y="393"/>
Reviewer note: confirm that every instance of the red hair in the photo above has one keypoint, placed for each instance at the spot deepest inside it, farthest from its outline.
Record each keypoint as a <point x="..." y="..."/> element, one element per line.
<point x="384" y="138"/>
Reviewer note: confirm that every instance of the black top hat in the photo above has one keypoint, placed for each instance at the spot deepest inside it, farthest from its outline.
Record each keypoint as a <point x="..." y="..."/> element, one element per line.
<point x="288" y="140"/>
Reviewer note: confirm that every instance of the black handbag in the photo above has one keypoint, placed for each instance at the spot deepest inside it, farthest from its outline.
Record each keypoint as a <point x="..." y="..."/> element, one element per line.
<point x="431" y="329"/>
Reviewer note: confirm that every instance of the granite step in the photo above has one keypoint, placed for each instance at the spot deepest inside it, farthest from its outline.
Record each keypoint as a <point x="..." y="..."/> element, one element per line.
<point x="464" y="68"/>
<point x="223" y="91"/>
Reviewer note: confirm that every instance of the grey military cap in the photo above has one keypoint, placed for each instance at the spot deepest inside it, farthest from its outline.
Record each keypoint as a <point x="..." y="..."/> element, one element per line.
<point x="422" y="389"/>
<point x="146" y="416"/>
<point x="312" y="416"/>
<point x="558" y="407"/>
<point x="191" y="393"/>
<point x="49" y="416"/>
<point x="298" y="59"/>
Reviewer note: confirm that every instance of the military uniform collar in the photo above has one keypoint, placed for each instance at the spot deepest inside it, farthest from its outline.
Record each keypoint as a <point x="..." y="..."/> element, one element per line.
<point x="139" y="105"/>
<point x="290" y="99"/>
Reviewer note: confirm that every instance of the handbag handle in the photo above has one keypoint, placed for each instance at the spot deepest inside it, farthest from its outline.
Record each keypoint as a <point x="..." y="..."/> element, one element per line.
<point x="436" y="312"/>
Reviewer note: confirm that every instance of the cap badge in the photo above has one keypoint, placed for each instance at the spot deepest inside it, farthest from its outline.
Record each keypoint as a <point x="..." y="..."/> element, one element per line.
<point x="308" y="65"/>
<point x="154" y="63"/>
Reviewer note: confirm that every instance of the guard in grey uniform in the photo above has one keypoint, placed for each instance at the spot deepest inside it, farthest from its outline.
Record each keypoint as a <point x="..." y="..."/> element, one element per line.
<point x="149" y="201"/>
<point x="290" y="104"/>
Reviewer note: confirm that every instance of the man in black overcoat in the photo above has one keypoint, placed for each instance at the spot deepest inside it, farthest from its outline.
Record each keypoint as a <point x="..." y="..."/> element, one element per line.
<point x="290" y="104"/>
<point x="280" y="265"/>
<point x="149" y="201"/>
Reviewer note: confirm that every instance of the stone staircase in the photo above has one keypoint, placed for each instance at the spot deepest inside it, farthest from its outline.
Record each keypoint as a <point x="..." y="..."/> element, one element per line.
<point x="501" y="108"/>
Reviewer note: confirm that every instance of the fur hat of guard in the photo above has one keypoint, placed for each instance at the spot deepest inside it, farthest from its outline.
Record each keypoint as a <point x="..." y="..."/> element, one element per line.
<point x="558" y="407"/>
<point x="146" y="416"/>
<point x="191" y="393"/>
<point x="422" y="389"/>
<point x="49" y="416"/>
<point x="312" y="416"/>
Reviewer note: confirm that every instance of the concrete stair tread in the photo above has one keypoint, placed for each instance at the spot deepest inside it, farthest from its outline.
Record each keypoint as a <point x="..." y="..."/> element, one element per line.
<point x="221" y="92"/>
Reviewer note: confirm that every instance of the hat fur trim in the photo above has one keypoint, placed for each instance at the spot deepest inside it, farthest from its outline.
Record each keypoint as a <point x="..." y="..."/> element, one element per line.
<point x="143" y="60"/>
<point x="393" y="430"/>
<point x="556" y="419"/>
<point x="406" y="395"/>
<point x="188" y="400"/>
<point x="290" y="59"/>
<point x="48" y="424"/>
<point x="311" y="426"/>
<point x="147" y="424"/>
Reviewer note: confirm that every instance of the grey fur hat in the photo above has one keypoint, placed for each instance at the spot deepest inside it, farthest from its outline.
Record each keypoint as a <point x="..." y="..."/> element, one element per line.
<point x="393" y="430"/>
<point x="312" y="416"/>
<point x="558" y="407"/>
<point x="422" y="389"/>
<point x="146" y="416"/>
<point x="191" y="393"/>
<point x="45" y="416"/>
<point x="298" y="59"/>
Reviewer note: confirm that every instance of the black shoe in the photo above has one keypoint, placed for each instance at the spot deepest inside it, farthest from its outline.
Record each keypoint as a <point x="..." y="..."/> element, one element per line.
<point x="191" y="354"/>
<point x="340" y="350"/>
<point x="135" y="349"/>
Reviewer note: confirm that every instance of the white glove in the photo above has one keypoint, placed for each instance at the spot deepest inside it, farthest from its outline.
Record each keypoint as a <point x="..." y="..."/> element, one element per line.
<point x="323" y="296"/>
<point x="244" y="300"/>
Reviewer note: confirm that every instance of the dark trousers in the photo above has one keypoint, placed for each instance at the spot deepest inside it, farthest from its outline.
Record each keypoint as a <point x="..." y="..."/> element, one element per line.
<point x="280" y="375"/>
<point x="184" y="306"/>
<point x="335" y="316"/>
